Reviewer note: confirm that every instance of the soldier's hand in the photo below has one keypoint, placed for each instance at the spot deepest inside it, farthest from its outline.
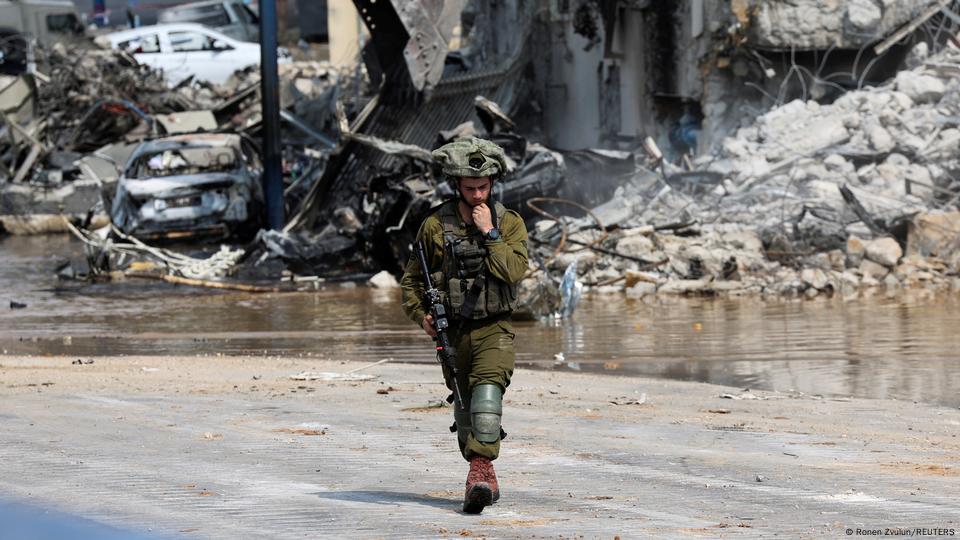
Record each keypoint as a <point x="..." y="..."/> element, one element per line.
<point x="482" y="219"/>
<point x="427" y="325"/>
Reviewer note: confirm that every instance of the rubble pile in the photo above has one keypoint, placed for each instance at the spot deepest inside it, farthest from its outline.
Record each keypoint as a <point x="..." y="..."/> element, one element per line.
<point x="70" y="82"/>
<point x="76" y="103"/>
<point x="67" y="129"/>
<point x="810" y="199"/>
<point x="854" y="192"/>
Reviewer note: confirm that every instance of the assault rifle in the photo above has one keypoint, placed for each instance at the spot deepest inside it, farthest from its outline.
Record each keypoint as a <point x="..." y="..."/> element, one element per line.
<point x="431" y="301"/>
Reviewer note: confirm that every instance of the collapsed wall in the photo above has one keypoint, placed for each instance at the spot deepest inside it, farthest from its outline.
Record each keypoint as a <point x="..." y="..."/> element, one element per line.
<point x="815" y="24"/>
<point x="810" y="199"/>
<point x="686" y="73"/>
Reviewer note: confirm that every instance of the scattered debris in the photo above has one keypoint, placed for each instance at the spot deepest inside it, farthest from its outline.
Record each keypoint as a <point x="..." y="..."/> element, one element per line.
<point x="745" y="395"/>
<point x="82" y="361"/>
<point x="302" y="431"/>
<point x="17" y="305"/>
<point x="384" y="280"/>
<point x="833" y="186"/>
<point x="630" y="401"/>
<point x="330" y="376"/>
<point x="432" y="405"/>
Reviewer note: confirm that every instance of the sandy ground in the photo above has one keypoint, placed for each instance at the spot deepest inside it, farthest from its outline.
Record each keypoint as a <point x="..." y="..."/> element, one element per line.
<point x="233" y="447"/>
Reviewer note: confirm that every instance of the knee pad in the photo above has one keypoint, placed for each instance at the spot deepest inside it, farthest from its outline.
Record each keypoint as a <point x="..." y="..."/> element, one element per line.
<point x="486" y="406"/>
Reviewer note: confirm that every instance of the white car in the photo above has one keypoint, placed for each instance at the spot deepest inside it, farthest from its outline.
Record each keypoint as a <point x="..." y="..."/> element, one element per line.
<point x="185" y="49"/>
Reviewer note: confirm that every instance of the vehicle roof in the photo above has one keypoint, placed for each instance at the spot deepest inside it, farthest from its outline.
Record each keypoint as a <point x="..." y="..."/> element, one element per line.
<point x="195" y="140"/>
<point x="44" y="3"/>
<point x="198" y="4"/>
<point x="153" y="28"/>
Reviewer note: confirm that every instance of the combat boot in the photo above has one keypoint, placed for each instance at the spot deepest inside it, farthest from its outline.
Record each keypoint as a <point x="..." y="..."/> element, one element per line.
<point x="492" y="480"/>
<point x="479" y="493"/>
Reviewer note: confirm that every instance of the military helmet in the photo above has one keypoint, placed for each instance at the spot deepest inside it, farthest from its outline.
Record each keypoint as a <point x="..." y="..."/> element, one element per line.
<point x="471" y="157"/>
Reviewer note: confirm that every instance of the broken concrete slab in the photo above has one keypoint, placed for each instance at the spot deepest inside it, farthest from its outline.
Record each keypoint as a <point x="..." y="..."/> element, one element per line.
<point x="641" y="289"/>
<point x="919" y="87"/>
<point x="934" y="234"/>
<point x="815" y="278"/>
<point x="872" y="270"/>
<point x="684" y="286"/>
<point x="813" y="25"/>
<point x="187" y="121"/>
<point x="885" y="251"/>
<point x="384" y="280"/>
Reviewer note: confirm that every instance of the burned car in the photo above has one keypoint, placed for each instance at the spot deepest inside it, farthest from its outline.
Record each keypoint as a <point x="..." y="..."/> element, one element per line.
<point x="187" y="186"/>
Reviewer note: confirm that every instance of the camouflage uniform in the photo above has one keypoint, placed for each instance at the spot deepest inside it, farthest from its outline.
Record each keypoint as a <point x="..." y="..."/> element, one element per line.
<point x="484" y="343"/>
<point x="464" y="263"/>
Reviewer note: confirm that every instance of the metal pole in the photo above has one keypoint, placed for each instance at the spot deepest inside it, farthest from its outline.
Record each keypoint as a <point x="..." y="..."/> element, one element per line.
<point x="356" y="69"/>
<point x="269" y="82"/>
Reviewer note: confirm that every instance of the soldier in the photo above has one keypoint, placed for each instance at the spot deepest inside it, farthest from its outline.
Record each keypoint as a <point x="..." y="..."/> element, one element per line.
<point x="476" y="251"/>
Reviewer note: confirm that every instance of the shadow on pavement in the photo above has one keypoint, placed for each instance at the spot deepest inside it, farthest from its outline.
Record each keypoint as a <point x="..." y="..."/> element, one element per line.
<point x="391" y="497"/>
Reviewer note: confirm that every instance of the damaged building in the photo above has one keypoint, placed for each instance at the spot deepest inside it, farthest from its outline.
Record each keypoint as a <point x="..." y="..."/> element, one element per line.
<point x="694" y="146"/>
<point x="635" y="95"/>
<point x="688" y="73"/>
<point x="68" y="129"/>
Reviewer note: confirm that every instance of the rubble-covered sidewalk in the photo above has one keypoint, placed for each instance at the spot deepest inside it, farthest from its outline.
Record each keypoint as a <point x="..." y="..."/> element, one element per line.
<point x="227" y="447"/>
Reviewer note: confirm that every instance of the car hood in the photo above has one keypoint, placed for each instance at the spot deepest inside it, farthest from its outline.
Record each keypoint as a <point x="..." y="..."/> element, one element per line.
<point x="156" y="187"/>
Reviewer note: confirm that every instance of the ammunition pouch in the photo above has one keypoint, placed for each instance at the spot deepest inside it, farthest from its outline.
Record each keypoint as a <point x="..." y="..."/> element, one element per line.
<point x="464" y="265"/>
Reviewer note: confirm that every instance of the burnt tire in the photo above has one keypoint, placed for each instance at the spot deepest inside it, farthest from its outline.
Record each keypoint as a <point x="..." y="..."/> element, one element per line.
<point x="13" y="53"/>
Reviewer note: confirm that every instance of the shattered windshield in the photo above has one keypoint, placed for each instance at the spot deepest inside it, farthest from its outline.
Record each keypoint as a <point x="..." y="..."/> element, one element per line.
<point x="182" y="161"/>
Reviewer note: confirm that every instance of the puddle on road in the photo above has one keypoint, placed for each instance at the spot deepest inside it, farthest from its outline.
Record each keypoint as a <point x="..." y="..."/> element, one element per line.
<point x="870" y="348"/>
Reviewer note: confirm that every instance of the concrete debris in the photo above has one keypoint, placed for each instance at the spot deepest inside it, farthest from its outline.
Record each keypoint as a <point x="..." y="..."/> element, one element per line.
<point x="848" y="187"/>
<point x="934" y="234"/>
<point x="885" y="251"/>
<point x="810" y="24"/>
<point x="641" y="289"/>
<point x="55" y="126"/>
<point x="745" y="395"/>
<point x="331" y="376"/>
<point x="919" y="87"/>
<point x="384" y="280"/>
<point x="810" y="199"/>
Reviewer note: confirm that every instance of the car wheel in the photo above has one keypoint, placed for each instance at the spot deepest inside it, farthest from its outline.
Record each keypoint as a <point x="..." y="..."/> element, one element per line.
<point x="13" y="53"/>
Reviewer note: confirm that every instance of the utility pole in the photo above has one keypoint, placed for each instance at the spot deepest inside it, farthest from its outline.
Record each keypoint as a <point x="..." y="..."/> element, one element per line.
<point x="270" y="112"/>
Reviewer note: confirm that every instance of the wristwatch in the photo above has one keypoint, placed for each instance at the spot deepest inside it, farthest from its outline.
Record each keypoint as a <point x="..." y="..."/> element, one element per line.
<point x="493" y="234"/>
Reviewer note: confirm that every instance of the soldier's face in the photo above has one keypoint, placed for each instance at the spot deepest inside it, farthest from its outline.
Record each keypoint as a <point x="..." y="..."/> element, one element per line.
<point x="475" y="191"/>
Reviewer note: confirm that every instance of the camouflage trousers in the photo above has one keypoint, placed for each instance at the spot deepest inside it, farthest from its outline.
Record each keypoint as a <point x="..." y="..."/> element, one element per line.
<point x="485" y="355"/>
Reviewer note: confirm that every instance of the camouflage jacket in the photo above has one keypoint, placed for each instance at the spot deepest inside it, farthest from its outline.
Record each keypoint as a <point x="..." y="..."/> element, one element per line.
<point x="505" y="262"/>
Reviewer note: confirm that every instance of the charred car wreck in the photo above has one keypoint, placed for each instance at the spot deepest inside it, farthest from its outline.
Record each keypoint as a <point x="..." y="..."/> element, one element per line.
<point x="188" y="186"/>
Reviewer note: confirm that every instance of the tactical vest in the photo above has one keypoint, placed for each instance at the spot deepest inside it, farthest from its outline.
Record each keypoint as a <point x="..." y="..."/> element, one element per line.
<point x="463" y="266"/>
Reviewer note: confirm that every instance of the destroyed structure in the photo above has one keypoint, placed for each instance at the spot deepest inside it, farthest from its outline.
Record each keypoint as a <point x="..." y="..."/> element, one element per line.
<point x="69" y="129"/>
<point x="702" y="147"/>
